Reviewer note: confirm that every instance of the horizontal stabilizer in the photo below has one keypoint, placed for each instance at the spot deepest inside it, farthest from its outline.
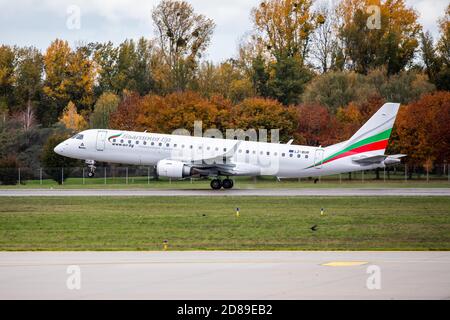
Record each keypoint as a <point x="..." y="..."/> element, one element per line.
<point x="378" y="159"/>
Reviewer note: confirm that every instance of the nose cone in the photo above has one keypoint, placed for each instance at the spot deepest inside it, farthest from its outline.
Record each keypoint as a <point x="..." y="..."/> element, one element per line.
<point x="59" y="149"/>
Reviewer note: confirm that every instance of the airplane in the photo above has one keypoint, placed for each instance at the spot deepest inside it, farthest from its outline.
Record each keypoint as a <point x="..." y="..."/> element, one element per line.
<point x="181" y="157"/>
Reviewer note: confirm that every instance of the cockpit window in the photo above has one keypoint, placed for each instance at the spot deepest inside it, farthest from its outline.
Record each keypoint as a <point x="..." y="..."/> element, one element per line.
<point x="78" y="137"/>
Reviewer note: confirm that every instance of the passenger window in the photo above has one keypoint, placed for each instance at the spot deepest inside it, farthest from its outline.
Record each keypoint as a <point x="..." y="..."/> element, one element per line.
<point x="224" y="149"/>
<point x="268" y="153"/>
<point x="121" y="141"/>
<point x="153" y="143"/>
<point x="306" y="157"/>
<point x="160" y="144"/>
<point x="283" y="155"/>
<point x="114" y="140"/>
<point x="247" y="151"/>
<point x="145" y="143"/>
<point x="298" y="156"/>
<point x="175" y="145"/>
<point x="167" y="145"/>
<point x="240" y="151"/>
<point x="137" y="142"/>
<point x="275" y="154"/>
<point x="291" y="155"/>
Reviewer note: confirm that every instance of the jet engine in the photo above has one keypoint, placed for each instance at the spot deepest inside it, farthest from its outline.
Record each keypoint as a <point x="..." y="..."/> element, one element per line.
<point x="173" y="169"/>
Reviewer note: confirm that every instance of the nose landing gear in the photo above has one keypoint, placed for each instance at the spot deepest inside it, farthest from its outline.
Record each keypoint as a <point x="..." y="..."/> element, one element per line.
<point x="91" y="166"/>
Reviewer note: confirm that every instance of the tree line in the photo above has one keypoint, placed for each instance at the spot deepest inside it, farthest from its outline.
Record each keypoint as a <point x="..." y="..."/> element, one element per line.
<point x="317" y="73"/>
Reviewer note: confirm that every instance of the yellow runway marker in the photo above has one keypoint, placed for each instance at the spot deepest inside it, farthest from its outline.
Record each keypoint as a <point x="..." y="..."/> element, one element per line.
<point x="344" y="263"/>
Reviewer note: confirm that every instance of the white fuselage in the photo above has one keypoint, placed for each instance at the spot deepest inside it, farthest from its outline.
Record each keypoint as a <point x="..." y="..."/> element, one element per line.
<point x="243" y="158"/>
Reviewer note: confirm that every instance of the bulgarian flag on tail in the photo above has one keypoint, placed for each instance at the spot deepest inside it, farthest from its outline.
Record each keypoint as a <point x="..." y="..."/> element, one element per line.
<point x="373" y="137"/>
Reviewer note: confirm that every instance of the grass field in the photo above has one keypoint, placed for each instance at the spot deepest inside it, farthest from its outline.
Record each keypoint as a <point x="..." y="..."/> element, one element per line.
<point x="200" y="223"/>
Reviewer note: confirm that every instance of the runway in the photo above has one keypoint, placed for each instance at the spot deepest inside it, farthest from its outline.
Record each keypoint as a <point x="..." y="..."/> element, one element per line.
<point x="225" y="275"/>
<point x="300" y="192"/>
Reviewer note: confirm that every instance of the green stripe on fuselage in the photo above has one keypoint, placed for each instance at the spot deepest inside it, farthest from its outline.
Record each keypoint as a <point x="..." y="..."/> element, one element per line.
<point x="378" y="137"/>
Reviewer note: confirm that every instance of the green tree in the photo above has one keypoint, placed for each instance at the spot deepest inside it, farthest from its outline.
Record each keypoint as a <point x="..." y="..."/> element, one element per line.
<point x="337" y="89"/>
<point x="106" y="104"/>
<point x="260" y="76"/>
<point x="28" y="72"/>
<point x="288" y="81"/>
<point x="7" y="79"/>
<point x="57" y="167"/>
<point x="8" y="170"/>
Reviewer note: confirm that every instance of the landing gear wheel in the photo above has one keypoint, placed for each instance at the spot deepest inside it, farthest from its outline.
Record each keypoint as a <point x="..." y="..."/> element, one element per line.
<point x="216" y="184"/>
<point x="227" y="184"/>
<point x="91" y="166"/>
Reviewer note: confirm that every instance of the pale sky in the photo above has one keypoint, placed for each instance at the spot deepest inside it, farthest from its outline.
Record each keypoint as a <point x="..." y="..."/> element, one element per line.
<point x="37" y="23"/>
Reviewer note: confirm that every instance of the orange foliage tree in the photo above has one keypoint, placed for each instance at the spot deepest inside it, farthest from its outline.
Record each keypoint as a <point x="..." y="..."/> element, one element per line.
<point x="125" y="117"/>
<point x="260" y="113"/>
<point x="179" y="111"/>
<point x="316" y="125"/>
<point x="422" y="129"/>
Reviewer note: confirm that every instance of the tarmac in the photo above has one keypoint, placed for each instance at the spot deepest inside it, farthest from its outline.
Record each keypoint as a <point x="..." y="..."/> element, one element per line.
<point x="225" y="275"/>
<point x="300" y="192"/>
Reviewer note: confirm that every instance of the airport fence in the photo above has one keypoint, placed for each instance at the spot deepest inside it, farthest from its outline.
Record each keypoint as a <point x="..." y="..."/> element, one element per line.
<point x="132" y="175"/>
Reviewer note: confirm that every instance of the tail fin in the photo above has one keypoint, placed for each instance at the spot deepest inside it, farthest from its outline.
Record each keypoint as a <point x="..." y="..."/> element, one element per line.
<point x="375" y="133"/>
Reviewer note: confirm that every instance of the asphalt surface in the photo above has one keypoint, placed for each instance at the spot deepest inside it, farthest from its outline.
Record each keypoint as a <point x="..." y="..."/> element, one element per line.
<point x="225" y="275"/>
<point x="345" y="192"/>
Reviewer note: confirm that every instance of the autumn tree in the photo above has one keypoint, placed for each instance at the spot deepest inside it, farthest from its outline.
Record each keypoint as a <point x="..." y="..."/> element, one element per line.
<point x="178" y="111"/>
<point x="106" y="104"/>
<point x="316" y="125"/>
<point x="71" y="119"/>
<point x="69" y="77"/>
<point x="126" y="114"/>
<point x="391" y="43"/>
<point x="226" y="79"/>
<point x="259" y="113"/>
<point x="422" y="129"/>
<point x="285" y="27"/>
<point x="183" y="36"/>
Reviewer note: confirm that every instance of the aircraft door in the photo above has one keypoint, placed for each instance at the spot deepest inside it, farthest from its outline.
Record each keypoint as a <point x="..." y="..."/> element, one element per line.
<point x="318" y="158"/>
<point x="101" y="137"/>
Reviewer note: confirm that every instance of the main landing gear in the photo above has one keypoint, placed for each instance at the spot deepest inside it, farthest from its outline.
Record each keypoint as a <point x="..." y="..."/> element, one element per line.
<point x="217" y="184"/>
<point x="91" y="166"/>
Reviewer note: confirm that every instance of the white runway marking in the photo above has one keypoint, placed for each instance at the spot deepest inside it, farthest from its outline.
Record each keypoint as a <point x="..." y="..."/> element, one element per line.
<point x="224" y="275"/>
<point x="344" y="192"/>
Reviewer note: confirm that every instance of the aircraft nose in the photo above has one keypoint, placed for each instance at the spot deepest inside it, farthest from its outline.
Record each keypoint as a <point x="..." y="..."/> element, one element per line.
<point x="59" y="149"/>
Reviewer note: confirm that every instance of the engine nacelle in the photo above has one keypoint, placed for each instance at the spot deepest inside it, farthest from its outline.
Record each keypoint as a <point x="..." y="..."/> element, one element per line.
<point x="173" y="169"/>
